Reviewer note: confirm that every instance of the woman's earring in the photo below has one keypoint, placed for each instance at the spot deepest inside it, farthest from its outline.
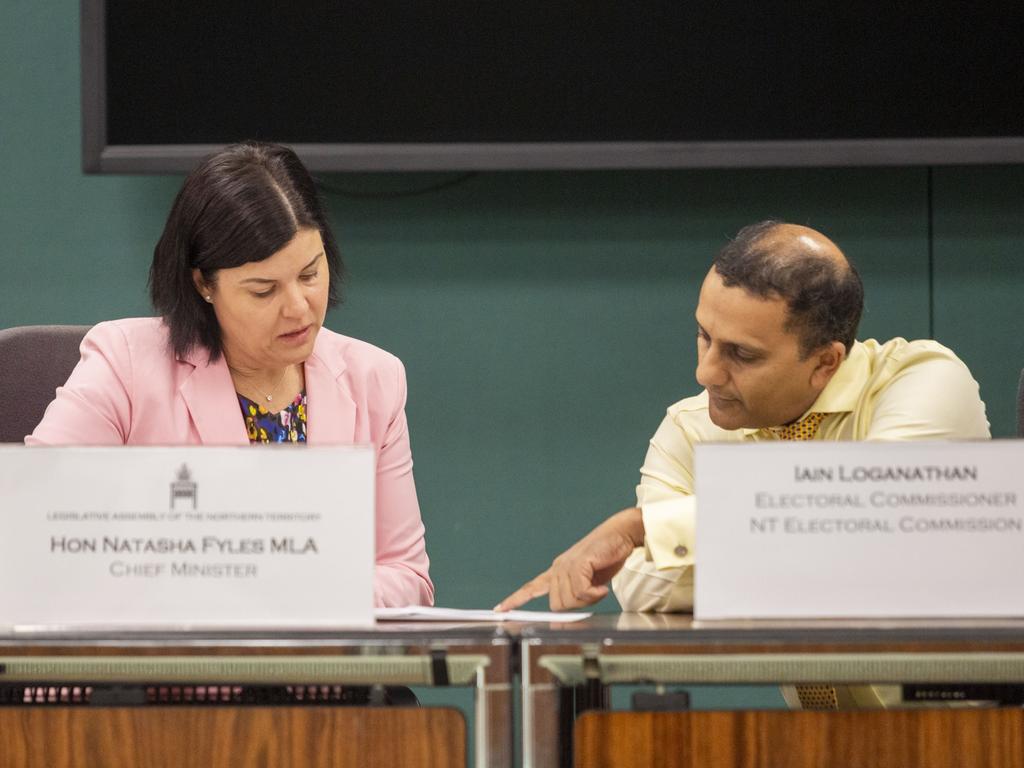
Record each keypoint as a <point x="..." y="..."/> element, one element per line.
<point x="208" y="298"/>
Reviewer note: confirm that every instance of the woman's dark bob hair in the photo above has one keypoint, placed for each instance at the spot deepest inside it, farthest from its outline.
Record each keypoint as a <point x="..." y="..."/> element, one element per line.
<point x="242" y="204"/>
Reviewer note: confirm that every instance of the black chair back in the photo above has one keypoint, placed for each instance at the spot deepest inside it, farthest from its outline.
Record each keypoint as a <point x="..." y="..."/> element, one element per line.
<point x="34" y="361"/>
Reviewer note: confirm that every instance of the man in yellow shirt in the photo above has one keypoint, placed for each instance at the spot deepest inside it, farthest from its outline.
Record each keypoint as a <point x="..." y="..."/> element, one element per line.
<point x="778" y="360"/>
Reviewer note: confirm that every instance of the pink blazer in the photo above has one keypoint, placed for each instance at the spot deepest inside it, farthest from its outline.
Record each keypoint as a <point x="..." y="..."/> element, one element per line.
<point x="130" y="389"/>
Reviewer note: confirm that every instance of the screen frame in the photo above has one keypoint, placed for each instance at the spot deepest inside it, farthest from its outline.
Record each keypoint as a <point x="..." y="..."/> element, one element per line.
<point x="98" y="156"/>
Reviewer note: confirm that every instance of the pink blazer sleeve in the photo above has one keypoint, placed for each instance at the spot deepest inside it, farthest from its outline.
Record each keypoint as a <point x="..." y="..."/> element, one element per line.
<point x="94" y="405"/>
<point x="402" y="564"/>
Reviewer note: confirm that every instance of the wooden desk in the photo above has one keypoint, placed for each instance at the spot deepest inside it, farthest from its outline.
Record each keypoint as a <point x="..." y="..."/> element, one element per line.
<point x="567" y="671"/>
<point x="264" y="699"/>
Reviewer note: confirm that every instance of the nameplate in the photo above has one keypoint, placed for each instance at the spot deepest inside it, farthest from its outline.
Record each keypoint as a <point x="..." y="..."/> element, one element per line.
<point x="186" y="538"/>
<point x="846" y="530"/>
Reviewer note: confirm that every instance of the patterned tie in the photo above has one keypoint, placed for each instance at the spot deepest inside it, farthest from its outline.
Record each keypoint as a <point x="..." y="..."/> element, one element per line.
<point x="811" y="696"/>
<point x="804" y="429"/>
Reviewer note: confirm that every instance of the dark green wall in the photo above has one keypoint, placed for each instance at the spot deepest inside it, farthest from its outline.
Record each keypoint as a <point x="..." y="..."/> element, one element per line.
<point x="545" y="318"/>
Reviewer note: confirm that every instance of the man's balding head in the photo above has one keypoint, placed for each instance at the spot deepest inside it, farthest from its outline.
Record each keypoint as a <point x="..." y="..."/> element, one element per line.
<point x="822" y="290"/>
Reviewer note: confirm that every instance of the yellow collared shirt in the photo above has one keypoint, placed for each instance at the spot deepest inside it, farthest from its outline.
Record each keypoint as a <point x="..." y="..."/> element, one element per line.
<point x="899" y="390"/>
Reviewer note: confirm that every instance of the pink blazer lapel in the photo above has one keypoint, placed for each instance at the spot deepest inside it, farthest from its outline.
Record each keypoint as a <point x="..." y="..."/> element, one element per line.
<point x="211" y="401"/>
<point x="331" y="414"/>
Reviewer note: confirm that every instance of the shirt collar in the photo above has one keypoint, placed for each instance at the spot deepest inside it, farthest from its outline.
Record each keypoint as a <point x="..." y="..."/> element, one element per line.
<point x="841" y="393"/>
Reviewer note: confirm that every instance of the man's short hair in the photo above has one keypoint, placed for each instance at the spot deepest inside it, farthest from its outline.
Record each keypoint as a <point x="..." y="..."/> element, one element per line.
<point x="825" y="298"/>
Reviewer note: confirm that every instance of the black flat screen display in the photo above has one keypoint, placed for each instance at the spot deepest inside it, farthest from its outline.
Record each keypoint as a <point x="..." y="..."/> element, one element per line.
<point x="515" y="74"/>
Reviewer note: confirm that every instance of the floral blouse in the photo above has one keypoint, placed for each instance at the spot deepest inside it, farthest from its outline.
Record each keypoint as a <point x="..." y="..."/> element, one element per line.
<point x="286" y="426"/>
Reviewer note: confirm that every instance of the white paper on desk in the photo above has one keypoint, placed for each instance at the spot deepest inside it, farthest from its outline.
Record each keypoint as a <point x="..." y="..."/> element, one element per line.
<point x="429" y="613"/>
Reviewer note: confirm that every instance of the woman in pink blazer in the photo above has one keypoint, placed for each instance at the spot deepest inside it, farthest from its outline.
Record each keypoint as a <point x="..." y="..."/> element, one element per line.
<point x="242" y="278"/>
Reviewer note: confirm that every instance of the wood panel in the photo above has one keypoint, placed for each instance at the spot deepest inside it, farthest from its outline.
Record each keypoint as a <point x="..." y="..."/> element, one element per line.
<point x="267" y="737"/>
<point x="976" y="738"/>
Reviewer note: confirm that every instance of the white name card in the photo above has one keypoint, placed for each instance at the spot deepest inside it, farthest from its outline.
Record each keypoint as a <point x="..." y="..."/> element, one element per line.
<point x="186" y="538"/>
<point x="832" y="530"/>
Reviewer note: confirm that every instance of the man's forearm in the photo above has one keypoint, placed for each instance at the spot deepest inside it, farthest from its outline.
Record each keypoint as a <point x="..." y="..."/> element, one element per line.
<point x="630" y="523"/>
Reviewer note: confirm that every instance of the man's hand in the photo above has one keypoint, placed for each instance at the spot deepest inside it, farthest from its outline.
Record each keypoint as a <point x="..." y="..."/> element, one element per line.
<point x="579" y="576"/>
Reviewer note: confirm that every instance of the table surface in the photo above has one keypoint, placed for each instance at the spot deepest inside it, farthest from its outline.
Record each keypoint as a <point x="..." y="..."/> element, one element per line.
<point x="633" y="628"/>
<point x="682" y="629"/>
<point x="384" y="633"/>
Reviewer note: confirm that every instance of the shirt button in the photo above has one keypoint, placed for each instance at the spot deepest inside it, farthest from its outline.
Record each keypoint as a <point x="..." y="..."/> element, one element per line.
<point x="681" y="551"/>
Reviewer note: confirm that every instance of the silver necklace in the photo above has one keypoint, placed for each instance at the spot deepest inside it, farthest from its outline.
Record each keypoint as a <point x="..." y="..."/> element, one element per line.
<point x="269" y="395"/>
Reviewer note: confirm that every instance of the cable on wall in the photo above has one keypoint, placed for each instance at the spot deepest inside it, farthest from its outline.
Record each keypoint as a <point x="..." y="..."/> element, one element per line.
<point x="931" y="252"/>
